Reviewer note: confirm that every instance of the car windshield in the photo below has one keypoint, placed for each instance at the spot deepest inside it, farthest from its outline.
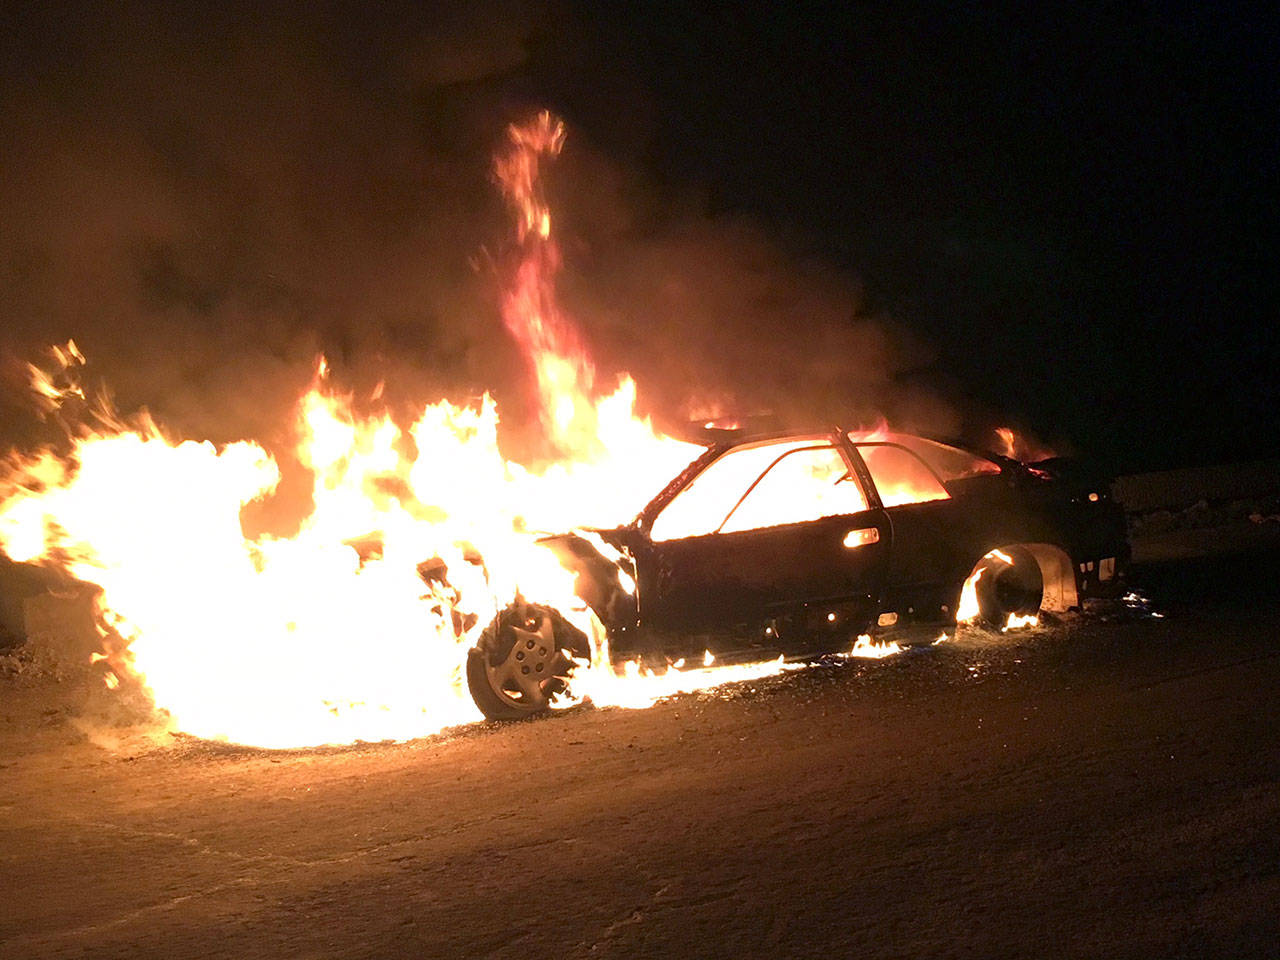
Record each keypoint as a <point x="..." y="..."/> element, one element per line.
<point x="614" y="493"/>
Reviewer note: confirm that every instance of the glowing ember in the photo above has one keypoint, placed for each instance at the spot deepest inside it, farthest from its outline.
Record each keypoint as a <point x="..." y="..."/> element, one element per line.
<point x="1018" y="622"/>
<point x="636" y="687"/>
<point x="867" y="648"/>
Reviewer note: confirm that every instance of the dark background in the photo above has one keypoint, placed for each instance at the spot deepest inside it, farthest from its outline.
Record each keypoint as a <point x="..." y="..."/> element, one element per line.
<point x="1065" y="220"/>
<point x="1078" y="208"/>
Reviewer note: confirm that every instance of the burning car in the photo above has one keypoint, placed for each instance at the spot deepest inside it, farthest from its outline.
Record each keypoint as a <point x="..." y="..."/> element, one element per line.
<point x="791" y="544"/>
<point x="767" y="545"/>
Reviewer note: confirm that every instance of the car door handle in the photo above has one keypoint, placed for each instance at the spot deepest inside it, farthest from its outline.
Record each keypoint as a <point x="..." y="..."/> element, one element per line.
<point x="861" y="537"/>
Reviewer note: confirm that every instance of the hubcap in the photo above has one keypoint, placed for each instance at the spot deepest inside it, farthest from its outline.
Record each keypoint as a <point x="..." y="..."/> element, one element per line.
<point x="520" y="678"/>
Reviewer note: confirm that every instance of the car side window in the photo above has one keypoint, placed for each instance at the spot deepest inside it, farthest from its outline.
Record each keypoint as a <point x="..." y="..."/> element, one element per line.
<point x="900" y="476"/>
<point x="702" y="506"/>
<point x="948" y="462"/>
<point x="803" y="485"/>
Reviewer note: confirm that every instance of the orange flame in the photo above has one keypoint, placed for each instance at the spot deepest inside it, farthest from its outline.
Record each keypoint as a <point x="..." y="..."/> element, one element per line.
<point x="530" y="307"/>
<point x="1018" y="446"/>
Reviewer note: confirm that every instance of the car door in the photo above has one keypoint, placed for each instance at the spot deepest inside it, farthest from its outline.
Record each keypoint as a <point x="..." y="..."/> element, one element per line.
<point x="932" y="541"/>
<point x="776" y="526"/>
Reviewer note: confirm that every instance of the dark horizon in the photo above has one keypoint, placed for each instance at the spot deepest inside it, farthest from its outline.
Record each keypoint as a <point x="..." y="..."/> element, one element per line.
<point x="1065" y="222"/>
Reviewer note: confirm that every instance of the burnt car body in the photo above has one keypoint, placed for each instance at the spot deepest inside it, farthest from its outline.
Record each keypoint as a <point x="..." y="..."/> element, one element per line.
<point x="795" y="543"/>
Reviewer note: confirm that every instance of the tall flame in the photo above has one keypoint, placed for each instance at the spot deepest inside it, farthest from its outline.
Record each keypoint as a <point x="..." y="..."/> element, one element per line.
<point x="530" y="307"/>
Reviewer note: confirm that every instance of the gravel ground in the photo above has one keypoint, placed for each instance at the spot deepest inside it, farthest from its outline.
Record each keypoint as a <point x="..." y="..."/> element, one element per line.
<point x="1102" y="788"/>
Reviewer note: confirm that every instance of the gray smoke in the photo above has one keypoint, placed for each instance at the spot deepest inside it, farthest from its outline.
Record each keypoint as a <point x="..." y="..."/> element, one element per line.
<point x="206" y="203"/>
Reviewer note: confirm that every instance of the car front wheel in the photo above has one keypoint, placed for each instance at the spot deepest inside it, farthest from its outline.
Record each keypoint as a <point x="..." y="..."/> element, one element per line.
<point x="522" y="660"/>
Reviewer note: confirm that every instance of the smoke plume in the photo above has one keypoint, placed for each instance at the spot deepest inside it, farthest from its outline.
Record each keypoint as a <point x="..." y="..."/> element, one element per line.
<point x="205" y="203"/>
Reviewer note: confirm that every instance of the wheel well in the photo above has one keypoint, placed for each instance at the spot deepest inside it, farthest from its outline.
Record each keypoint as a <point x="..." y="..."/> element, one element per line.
<point x="1058" y="572"/>
<point x="1059" y="589"/>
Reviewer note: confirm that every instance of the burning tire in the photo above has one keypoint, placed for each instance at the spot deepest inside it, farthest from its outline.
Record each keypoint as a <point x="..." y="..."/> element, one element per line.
<point x="1010" y="585"/>
<point x="522" y="660"/>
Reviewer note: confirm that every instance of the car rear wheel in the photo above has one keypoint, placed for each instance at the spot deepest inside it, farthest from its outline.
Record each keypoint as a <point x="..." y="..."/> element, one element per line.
<point x="523" y="660"/>
<point x="1011" y="585"/>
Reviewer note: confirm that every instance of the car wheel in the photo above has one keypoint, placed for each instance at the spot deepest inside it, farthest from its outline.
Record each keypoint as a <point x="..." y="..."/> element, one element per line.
<point x="1011" y="584"/>
<point x="523" y="660"/>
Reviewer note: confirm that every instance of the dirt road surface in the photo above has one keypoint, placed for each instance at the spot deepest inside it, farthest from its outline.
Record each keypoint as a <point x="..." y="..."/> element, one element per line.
<point x="1102" y="789"/>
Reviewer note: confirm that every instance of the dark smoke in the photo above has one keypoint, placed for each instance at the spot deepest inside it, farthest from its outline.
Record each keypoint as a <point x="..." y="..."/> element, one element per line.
<point x="207" y="200"/>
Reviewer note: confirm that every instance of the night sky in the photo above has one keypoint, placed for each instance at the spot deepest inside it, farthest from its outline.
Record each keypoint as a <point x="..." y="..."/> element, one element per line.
<point x="1062" y="220"/>
<point x="1078" y="209"/>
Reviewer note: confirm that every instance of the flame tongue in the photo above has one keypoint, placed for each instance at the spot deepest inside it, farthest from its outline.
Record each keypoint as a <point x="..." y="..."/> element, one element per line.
<point x="517" y="171"/>
<point x="530" y="308"/>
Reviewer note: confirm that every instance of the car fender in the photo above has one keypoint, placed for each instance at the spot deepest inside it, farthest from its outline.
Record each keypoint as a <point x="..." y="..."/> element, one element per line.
<point x="603" y="571"/>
